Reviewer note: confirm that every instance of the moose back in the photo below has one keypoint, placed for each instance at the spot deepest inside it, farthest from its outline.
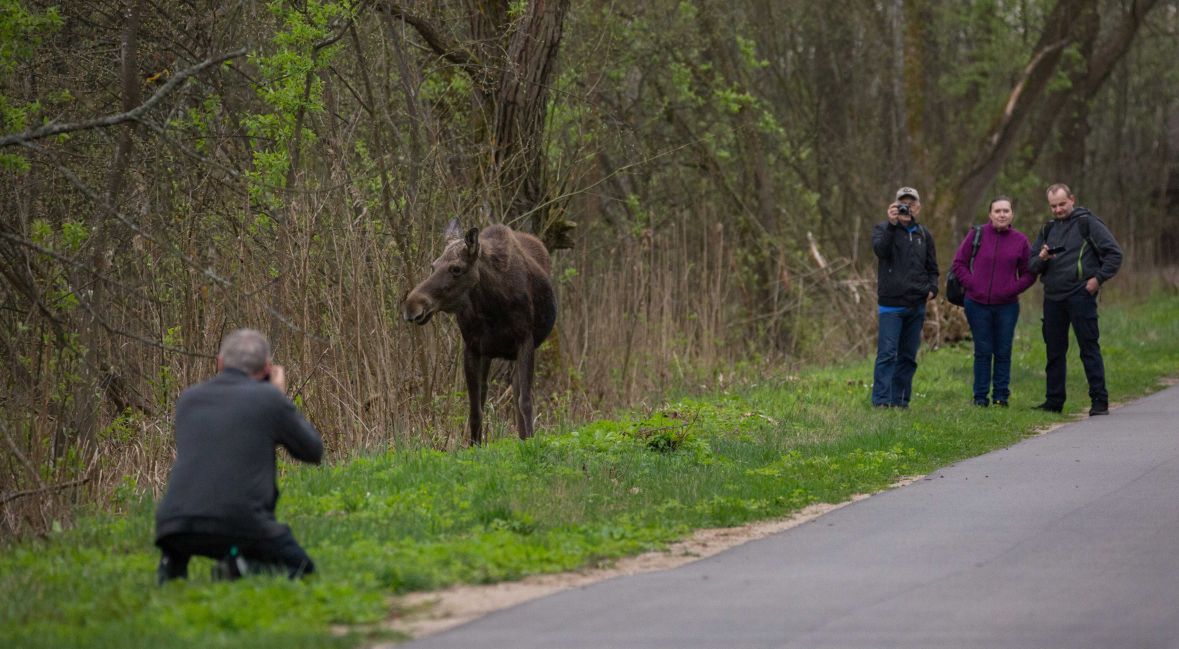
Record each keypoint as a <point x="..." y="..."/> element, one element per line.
<point x="497" y="282"/>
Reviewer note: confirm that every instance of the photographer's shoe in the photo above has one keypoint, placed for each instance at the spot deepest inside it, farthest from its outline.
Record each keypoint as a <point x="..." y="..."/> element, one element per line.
<point x="231" y="567"/>
<point x="999" y="403"/>
<point x="1048" y="407"/>
<point x="1099" y="408"/>
<point x="981" y="403"/>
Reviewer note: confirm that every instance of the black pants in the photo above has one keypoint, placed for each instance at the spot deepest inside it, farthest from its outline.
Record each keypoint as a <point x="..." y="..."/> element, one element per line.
<point x="282" y="550"/>
<point x="1080" y="311"/>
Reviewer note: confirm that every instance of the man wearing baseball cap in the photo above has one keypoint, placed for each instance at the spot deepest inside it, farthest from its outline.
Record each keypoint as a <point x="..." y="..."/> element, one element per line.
<point x="906" y="278"/>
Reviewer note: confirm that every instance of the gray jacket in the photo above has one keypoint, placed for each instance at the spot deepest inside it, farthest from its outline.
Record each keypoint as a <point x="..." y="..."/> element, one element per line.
<point x="1068" y="272"/>
<point x="223" y="481"/>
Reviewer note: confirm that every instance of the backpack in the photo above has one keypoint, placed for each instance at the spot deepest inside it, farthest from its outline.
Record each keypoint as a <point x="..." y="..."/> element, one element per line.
<point x="955" y="292"/>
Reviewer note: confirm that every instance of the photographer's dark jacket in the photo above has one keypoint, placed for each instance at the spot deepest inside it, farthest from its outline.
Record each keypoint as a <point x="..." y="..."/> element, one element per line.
<point x="906" y="272"/>
<point x="223" y="481"/>
<point x="1099" y="257"/>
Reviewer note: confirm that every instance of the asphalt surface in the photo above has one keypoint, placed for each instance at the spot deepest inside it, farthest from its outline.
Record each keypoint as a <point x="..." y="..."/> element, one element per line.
<point x="1069" y="539"/>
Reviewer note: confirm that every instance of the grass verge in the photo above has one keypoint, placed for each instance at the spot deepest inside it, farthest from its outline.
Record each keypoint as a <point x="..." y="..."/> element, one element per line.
<point x="419" y="519"/>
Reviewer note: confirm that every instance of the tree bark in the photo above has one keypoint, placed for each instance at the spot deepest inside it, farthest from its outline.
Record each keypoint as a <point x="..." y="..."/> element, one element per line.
<point x="1069" y="22"/>
<point x="966" y="192"/>
<point x="521" y="109"/>
<point x="511" y="62"/>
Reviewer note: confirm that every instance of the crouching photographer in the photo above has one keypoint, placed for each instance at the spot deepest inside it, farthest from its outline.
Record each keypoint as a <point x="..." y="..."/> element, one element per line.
<point x="222" y="492"/>
<point x="906" y="278"/>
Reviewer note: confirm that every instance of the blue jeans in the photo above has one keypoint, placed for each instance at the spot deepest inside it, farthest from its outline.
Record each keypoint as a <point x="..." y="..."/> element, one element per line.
<point x="896" y="356"/>
<point x="993" y="328"/>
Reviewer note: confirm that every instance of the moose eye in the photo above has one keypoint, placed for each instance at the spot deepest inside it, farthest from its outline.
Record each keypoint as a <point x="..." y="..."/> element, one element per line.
<point x="456" y="270"/>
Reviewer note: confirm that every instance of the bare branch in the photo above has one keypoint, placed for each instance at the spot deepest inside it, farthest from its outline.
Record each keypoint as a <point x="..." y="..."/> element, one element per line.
<point x="435" y="40"/>
<point x="168" y="246"/>
<point x="83" y="266"/>
<point x="9" y="497"/>
<point x="49" y="130"/>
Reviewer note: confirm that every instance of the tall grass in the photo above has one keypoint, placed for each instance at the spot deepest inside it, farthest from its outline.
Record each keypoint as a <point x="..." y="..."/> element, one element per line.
<point x="416" y="518"/>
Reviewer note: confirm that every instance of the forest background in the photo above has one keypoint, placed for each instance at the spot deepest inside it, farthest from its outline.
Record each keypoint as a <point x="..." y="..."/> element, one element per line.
<point x="705" y="174"/>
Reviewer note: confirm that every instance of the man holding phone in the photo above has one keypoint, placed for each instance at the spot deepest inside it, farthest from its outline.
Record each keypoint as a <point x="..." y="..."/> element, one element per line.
<point x="1074" y="255"/>
<point x="222" y="491"/>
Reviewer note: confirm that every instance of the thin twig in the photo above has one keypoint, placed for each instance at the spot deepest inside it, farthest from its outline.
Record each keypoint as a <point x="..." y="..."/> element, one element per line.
<point x="134" y="114"/>
<point x="47" y="489"/>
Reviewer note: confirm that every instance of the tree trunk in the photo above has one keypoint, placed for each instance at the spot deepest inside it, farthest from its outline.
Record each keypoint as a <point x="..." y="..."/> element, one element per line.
<point x="1069" y="22"/>
<point x="521" y="108"/>
<point x="966" y="192"/>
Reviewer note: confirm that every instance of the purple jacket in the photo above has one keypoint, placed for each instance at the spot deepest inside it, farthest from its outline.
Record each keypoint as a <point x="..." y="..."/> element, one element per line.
<point x="1000" y="268"/>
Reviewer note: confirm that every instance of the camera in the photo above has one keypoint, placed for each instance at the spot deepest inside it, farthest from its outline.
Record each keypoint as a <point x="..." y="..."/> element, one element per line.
<point x="903" y="209"/>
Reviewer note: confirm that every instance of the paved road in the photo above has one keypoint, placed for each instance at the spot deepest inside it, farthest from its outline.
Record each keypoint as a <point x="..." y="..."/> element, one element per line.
<point x="1069" y="540"/>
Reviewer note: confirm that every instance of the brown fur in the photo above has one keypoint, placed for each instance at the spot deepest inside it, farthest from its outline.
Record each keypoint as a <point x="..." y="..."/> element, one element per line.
<point x="498" y="285"/>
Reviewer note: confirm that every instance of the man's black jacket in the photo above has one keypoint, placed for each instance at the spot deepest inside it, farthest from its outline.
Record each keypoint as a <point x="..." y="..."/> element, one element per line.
<point x="906" y="271"/>
<point x="223" y="481"/>
<point x="1098" y="256"/>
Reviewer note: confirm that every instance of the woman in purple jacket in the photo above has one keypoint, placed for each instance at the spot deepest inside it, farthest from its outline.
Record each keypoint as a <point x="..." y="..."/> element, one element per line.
<point x="993" y="282"/>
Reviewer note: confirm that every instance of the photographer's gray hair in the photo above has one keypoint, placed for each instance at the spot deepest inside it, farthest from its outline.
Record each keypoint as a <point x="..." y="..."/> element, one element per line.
<point x="246" y="350"/>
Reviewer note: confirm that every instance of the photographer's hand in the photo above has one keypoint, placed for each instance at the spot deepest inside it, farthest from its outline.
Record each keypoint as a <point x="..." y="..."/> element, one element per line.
<point x="1044" y="253"/>
<point x="278" y="378"/>
<point x="892" y="214"/>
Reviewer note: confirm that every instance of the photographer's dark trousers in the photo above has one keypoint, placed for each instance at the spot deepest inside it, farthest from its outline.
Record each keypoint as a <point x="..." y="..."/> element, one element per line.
<point x="1079" y="310"/>
<point x="282" y="550"/>
<point x="896" y="355"/>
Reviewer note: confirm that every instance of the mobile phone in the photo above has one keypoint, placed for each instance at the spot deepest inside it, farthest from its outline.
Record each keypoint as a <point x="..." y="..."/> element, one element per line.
<point x="1056" y="251"/>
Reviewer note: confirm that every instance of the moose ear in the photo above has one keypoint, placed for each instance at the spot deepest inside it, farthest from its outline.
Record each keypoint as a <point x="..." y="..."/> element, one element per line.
<point x="453" y="231"/>
<point x="472" y="243"/>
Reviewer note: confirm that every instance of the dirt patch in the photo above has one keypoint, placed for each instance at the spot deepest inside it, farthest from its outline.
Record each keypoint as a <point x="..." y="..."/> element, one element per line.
<point x="421" y="614"/>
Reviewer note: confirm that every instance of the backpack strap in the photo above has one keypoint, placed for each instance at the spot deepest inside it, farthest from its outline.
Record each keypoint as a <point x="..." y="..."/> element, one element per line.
<point x="1045" y="230"/>
<point x="1083" y="224"/>
<point x="974" y="246"/>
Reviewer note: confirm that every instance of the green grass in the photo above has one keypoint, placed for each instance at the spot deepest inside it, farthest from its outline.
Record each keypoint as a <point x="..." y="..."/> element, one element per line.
<point x="420" y="519"/>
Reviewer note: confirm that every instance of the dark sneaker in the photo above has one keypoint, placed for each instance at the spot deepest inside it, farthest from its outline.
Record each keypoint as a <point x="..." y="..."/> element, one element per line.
<point x="167" y="571"/>
<point x="999" y="403"/>
<point x="1048" y="407"/>
<point x="1099" y="409"/>
<point x="981" y="403"/>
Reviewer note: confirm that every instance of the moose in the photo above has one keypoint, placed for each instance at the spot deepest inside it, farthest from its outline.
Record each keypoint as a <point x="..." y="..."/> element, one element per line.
<point x="498" y="284"/>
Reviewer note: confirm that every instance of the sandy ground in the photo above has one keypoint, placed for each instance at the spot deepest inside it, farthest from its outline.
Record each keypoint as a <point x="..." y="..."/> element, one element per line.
<point x="421" y="614"/>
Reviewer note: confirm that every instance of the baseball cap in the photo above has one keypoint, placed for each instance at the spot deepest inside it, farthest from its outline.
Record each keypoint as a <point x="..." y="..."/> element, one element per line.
<point x="908" y="191"/>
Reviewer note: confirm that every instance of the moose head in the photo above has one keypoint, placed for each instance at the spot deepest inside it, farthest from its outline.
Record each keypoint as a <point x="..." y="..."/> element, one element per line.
<point x="454" y="273"/>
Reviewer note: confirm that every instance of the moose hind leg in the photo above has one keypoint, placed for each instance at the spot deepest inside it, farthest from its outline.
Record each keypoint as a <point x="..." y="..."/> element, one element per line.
<point x="522" y="386"/>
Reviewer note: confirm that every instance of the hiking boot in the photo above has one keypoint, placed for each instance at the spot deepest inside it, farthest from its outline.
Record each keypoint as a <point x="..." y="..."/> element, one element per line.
<point x="1099" y="408"/>
<point x="1048" y="407"/>
<point x="167" y="571"/>
<point x="981" y="403"/>
<point x="999" y="403"/>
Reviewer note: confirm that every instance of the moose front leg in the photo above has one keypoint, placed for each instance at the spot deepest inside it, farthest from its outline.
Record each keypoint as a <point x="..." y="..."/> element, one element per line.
<point x="522" y="386"/>
<point x="475" y="371"/>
